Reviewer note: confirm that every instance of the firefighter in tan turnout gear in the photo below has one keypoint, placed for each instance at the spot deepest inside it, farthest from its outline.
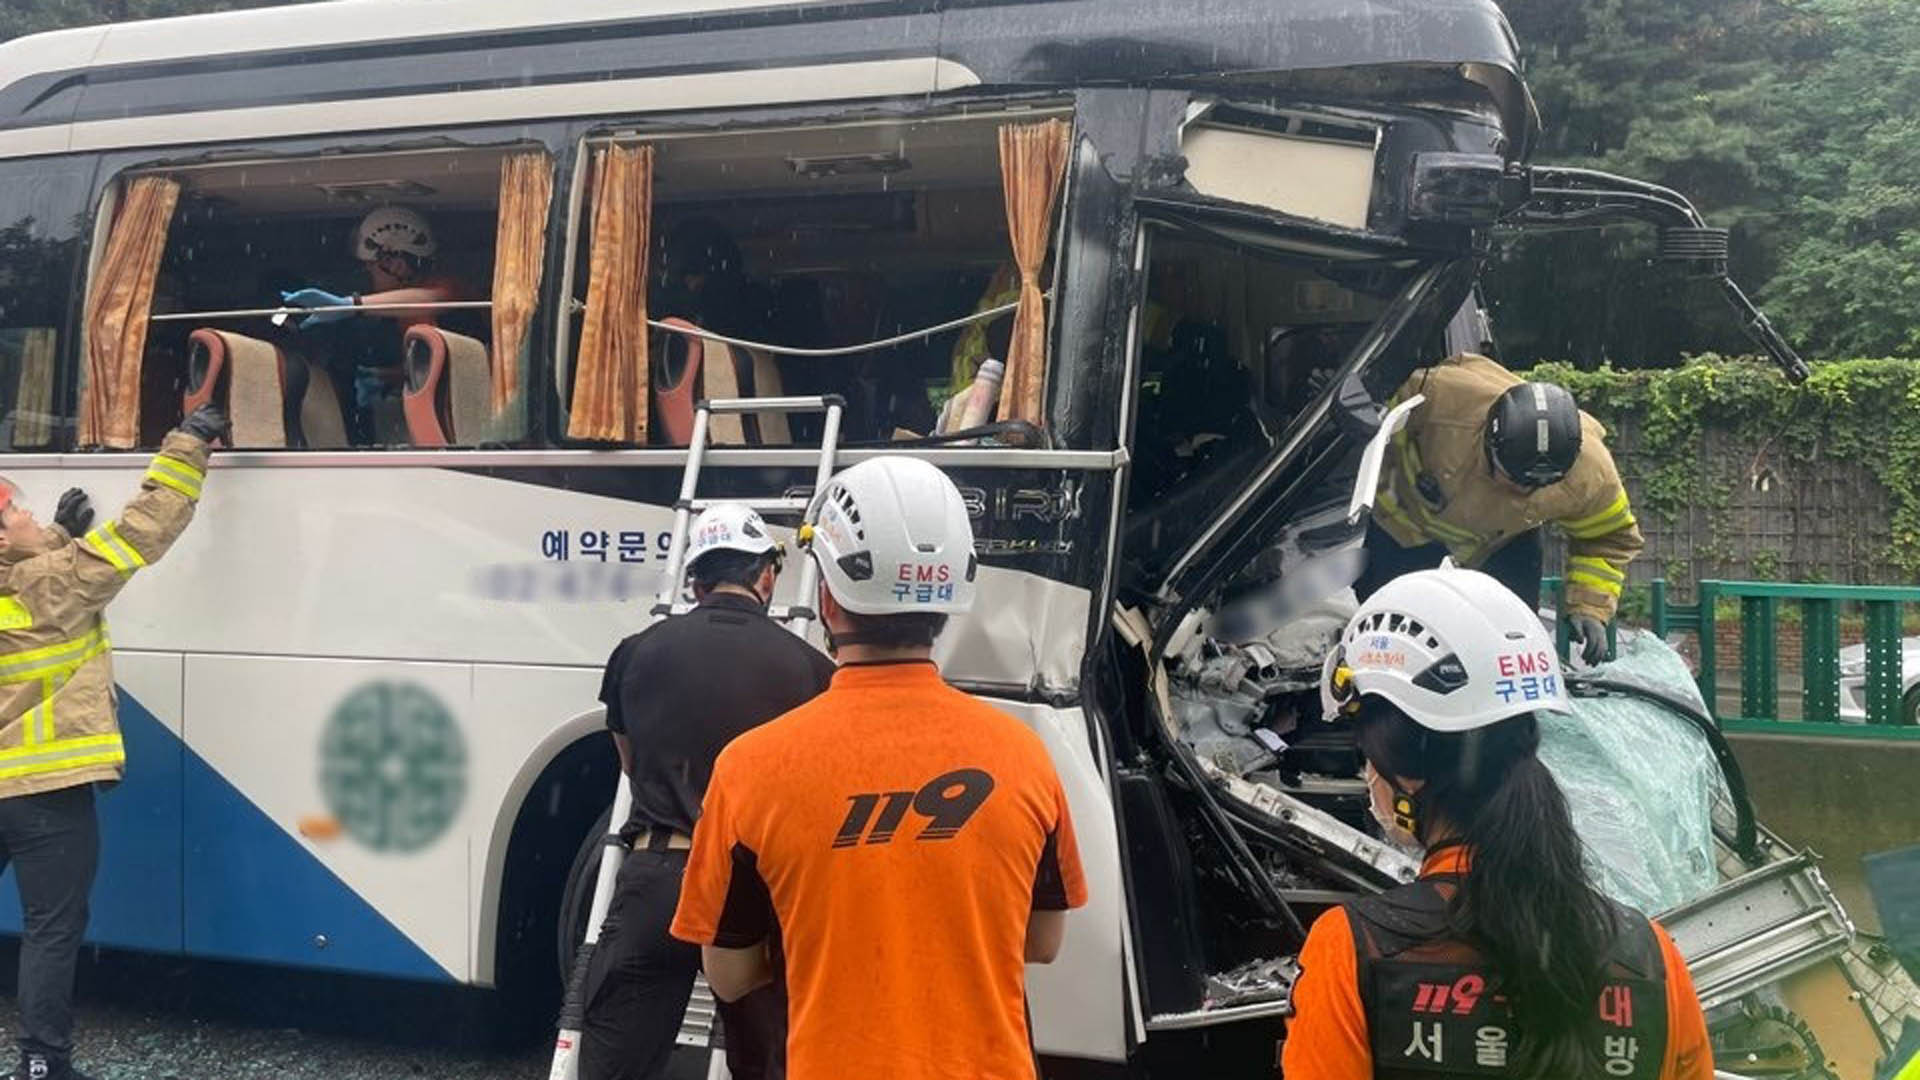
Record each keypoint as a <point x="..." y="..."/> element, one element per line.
<point x="58" y="731"/>
<point x="1482" y="466"/>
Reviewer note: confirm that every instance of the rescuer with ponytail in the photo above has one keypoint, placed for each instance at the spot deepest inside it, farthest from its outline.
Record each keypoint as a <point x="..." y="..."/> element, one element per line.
<point x="1501" y="960"/>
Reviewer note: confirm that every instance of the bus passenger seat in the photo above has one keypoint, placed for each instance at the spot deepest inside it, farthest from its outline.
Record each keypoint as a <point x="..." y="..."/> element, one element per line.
<point x="244" y="375"/>
<point x="274" y="398"/>
<point x="687" y="368"/>
<point x="320" y="420"/>
<point x="449" y="395"/>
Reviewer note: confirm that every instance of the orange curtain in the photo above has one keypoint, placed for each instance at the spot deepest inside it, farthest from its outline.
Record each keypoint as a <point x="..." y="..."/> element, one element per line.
<point x="610" y="378"/>
<point x="1033" y="160"/>
<point x="117" y="311"/>
<point x="519" y="247"/>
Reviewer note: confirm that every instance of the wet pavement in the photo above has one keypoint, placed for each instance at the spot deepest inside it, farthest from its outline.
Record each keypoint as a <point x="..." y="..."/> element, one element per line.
<point x="163" y="1018"/>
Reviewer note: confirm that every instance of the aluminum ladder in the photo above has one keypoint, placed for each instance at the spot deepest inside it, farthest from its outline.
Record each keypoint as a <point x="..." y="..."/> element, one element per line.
<point x="671" y="601"/>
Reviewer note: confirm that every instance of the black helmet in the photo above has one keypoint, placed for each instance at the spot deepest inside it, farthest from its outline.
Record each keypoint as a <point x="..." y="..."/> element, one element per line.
<point x="1533" y="434"/>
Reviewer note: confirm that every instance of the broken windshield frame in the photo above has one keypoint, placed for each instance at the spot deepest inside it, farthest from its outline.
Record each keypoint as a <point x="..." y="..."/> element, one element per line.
<point x="1429" y="296"/>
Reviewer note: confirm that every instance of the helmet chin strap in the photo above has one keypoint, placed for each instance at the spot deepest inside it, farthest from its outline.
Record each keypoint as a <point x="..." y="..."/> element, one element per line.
<point x="852" y="637"/>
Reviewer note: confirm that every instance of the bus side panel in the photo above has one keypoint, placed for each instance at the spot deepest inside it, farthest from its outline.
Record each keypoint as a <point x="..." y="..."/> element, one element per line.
<point x="137" y="898"/>
<point x="528" y="714"/>
<point x="1078" y="1002"/>
<point x="324" y="813"/>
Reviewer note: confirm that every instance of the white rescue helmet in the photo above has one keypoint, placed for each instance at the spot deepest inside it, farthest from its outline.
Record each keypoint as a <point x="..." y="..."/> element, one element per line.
<point x="393" y="229"/>
<point x="729" y="527"/>
<point x="1453" y="649"/>
<point x="891" y="536"/>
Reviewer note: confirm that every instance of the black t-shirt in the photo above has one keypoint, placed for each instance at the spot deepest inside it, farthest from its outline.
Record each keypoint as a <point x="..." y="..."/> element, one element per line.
<point x="683" y="688"/>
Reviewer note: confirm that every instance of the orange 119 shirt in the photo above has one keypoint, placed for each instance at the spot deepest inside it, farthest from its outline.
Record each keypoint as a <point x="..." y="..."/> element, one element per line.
<point x="900" y="832"/>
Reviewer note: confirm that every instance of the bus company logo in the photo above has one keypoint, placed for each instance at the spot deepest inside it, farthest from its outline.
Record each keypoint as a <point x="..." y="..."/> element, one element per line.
<point x="393" y="766"/>
<point x="1043" y="506"/>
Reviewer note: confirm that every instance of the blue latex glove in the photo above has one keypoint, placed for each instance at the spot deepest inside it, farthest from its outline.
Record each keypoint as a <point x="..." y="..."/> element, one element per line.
<point x="311" y="298"/>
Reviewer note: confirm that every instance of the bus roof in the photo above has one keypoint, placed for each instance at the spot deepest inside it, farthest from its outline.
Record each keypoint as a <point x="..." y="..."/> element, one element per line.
<point x="91" y="87"/>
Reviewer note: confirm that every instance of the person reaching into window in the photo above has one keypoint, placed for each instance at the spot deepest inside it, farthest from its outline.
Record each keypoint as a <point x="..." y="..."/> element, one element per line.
<point x="397" y="247"/>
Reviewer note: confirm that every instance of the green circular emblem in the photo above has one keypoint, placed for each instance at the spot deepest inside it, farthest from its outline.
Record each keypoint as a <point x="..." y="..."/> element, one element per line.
<point x="393" y="766"/>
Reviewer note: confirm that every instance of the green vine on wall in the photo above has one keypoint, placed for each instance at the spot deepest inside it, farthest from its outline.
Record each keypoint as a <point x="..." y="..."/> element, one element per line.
<point x="1864" y="412"/>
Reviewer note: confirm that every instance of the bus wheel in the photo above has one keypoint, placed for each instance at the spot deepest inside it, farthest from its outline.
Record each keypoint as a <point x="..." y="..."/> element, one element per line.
<point x="556" y="817"/>
<point x="576" y="903"/>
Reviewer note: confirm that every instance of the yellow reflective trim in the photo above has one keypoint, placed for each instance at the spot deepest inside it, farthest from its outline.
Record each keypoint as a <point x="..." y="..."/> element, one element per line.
<point x="1451" y="533"/>
<point x="191" y="491"/>
<point x="75" y="744"/>
<point x="48" y="688"/>
<point x="1409" y="459"/>
<point x="1598" y="566"/>
<point x="53" y="659"/>
<point x="104" y="546"/>
<point x="10" y="660"/>
<point x="30" y="727"/>
<point x="14" y="614"/>
<point x="1612" y="525"/>
<point x="112" y="757"/>
<point x="1597" y="584"/>
<point x="193" y="474"/>
<point x="1616" y="507"/>
<point x="133" y="553"/>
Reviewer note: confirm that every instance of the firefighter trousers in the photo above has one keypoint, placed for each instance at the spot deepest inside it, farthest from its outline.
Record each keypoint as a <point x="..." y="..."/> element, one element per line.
<point x="52" y="841"/>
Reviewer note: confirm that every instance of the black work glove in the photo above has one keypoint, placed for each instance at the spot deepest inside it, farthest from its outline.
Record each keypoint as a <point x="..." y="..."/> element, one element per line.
<point x="206" y="423"/>
<point x="1592" y="635"/>
<point x="75" y="513"/>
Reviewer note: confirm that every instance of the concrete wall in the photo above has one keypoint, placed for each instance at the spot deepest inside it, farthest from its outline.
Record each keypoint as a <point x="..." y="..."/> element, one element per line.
<point x="1845" y="798"/>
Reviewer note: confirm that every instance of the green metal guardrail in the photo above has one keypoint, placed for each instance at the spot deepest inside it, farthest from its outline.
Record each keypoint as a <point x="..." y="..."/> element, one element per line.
<point x="1819" y="608"/>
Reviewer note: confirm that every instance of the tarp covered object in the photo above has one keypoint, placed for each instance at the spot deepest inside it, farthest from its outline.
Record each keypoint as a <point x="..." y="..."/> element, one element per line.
<point x="1641" y="781"/>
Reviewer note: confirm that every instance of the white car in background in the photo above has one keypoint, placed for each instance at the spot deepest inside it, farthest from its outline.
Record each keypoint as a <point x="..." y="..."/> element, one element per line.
<point x="1853" y="682"/>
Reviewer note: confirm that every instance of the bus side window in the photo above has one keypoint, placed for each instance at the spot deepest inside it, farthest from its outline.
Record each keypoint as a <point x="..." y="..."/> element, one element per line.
<point x="349" y="301"/>
<point x="42" y="214"/>
<point x="822" y="253"/>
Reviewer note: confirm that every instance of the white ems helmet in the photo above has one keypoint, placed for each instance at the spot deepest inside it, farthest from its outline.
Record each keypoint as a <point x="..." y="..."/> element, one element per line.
<point x="891" y="537"/>
<point x="1453" y="649"/>
<point x="729" y="527"/>
<point x="393" y="228"/>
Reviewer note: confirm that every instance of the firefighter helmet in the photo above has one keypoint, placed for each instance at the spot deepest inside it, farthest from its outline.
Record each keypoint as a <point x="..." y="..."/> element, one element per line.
<point x="892" y="537"/>
<point x="392" y="229"/>
<point x="1453" y="649"/>
<point x="1533" y="434"/>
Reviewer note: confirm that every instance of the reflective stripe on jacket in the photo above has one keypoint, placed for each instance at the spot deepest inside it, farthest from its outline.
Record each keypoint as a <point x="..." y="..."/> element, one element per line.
<point x="58" y="728"/>
<point x="1437" y="486"/>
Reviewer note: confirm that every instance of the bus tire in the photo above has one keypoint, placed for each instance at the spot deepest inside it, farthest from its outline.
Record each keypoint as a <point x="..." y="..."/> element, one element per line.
<point x="576" y="903"/>
<point x="557" y="816"/>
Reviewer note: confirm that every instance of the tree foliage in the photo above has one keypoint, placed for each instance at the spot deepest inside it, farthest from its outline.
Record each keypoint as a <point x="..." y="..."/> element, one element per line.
<point x="1788" y="121"/>
<point x="1848" y="412"/>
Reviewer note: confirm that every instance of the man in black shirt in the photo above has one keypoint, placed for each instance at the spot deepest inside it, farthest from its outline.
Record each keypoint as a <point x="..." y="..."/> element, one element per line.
<point x="676" y="694"/>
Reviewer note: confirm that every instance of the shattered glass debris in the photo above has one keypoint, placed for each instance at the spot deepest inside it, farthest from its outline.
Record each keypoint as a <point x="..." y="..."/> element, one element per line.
<point x="1641" y="782"/>
<point x="1257" y="980"/>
